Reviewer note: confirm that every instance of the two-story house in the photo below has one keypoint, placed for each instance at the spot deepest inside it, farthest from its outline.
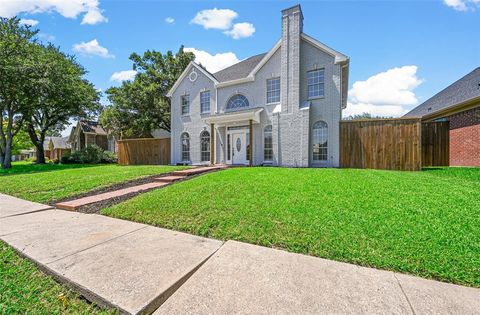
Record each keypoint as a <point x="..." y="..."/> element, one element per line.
<point x="279" y="108"/>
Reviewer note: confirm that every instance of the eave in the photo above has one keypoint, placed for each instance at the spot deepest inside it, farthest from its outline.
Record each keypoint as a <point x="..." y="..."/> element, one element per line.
<point x="454" y="109"/>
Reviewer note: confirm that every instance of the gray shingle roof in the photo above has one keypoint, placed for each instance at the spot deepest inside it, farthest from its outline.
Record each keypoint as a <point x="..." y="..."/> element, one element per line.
<point x="462" y="90"/>
<point x="92" y="126"/>
<point x="60" y="143"/>
<point x="239" y="70"/>
<point x="46" y="143"/>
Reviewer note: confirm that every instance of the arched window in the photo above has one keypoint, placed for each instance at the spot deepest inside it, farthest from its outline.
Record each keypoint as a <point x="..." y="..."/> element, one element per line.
<point x="267" y="143"/>
<point x="237" y="101"/>
<point x="320" y="137"/>
<point x="205" y="146"/>
<point x="185" y="147"/>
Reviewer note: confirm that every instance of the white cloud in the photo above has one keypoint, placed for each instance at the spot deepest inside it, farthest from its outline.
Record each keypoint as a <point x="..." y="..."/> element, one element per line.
<point x="220" y="19"/>
<point x="241" y="30"/>
<point x="94" y="16"/>
<point x="126" y="75"/>
<point x="216" y="62"/>
<point x="92" y="48"/>
<point x="68" y="8"/>
<point x="169" y="20"/>
<point x="462" y="5"/>
<point x="388" y="93"/>
<point x="29" y="22"/>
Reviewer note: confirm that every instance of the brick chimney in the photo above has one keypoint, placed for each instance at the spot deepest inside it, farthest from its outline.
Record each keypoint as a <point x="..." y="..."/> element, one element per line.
<point x="292" y="28"/>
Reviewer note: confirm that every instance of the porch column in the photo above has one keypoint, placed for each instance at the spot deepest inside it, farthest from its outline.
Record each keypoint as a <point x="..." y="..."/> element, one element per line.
<point x="251" y="143"/>
<point x="212" y="144"/>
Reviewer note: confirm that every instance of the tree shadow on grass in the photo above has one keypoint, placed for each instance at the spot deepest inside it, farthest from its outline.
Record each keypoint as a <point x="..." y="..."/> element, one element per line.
<point x="29" y="168"/>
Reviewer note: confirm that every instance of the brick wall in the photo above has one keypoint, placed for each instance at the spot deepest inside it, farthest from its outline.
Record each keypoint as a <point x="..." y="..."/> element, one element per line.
<point x="465" y="138"/>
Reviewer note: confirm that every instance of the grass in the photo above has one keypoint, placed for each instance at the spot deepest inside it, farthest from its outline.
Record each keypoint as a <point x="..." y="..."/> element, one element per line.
<point x="48" y="183"/>
<point x="423" y="223"/>
<point x="28" y="167"/>
<point x="26" y="290"/>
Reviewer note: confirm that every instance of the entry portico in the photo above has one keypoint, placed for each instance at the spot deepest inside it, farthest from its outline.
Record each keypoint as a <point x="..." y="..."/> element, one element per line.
<point x="237" y="130"/>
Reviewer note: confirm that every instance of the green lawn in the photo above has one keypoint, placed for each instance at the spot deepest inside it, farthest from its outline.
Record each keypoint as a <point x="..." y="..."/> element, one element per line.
<point x="26" y="290"/>
<point x="28" y="167"/>
<point x="423" y="223"/>
<point x="47" y="183"/>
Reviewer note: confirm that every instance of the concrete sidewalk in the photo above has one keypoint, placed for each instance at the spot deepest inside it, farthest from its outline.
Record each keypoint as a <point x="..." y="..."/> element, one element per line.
<point x="138" y="268"/>
<point x="10" y="206"/>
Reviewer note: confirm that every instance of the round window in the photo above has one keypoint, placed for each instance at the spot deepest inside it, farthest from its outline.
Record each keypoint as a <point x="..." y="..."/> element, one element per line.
<point x="239" y="144"/>
<point x="193" y="76"/>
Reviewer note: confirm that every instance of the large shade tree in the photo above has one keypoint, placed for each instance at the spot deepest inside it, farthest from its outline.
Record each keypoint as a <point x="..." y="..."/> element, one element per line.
<point x="41" y="88"/>
<point x="140" y="106"/>
<point x="59" y="94"/>
<point x="17" y="46"/>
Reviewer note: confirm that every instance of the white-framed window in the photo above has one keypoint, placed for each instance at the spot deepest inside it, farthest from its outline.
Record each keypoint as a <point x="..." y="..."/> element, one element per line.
<point x="267" y="144"/>
<point x="205" y="102"/>
<point x="185" y="139"/>
<point x="320" y="141"/>
<point x="316" y="83"/>
<point x="185" y="100"/>
<point x="205" y="146"/>
<point x="273" y="90"/>
<point x="237" y="101"/>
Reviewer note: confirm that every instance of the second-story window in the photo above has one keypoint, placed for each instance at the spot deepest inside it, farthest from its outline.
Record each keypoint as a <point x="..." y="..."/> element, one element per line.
<point x="185" y="100"/>
<point x="205" y="102"/>
<point x="316" y="83"/>
<point x="273" y="90"/>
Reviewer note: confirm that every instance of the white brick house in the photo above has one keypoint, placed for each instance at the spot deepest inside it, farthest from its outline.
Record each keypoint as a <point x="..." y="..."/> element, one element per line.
<point x="287" y="103"/>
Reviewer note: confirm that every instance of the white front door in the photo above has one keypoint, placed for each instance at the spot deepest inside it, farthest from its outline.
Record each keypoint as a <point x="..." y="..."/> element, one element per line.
<point x="239" y="148"/>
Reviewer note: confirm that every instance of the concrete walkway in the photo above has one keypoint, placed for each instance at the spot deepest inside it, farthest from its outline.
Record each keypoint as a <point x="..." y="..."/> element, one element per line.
<point x="142" y="269"/>
<point x="76" y="204"/>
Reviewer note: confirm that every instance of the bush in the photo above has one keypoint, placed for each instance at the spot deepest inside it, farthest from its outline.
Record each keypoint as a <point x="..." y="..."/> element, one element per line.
<point x="92" y="154"/>
<point x="109" y="157"/>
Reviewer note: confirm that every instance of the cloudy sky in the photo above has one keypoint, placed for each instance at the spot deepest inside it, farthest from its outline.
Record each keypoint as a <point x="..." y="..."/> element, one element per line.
<point x="402" y="52"/>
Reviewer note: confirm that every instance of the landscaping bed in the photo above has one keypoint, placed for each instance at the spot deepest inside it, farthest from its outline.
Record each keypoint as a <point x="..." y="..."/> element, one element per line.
<point x="422" y="223"/>
<point x="52" y="183"/>
<point x="24" y="289"/>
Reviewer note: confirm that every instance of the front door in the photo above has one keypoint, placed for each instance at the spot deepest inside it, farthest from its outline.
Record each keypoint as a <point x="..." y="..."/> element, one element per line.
<point x="239" y="148"/>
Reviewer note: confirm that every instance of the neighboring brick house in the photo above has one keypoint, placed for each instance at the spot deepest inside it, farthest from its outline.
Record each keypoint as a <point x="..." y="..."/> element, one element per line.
<point x="91" y="132"/>
<point x="280" y="108"/>
<point x="459" y="104"/>
<point x="57" y="147"/>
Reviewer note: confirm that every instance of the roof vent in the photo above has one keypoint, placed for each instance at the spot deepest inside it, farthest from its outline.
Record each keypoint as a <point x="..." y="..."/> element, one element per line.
<point x="429" y="109"/>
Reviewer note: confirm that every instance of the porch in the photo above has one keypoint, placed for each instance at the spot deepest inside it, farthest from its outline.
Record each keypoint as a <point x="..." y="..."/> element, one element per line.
<point x="232" y="137"/>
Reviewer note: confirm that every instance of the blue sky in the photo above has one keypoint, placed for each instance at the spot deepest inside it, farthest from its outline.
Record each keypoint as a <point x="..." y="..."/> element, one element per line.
<point x="401" y="52"/>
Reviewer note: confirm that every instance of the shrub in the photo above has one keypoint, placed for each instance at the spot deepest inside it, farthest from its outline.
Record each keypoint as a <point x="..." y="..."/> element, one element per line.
<point x="92" y="154"/>
<point x="109" y="157"/>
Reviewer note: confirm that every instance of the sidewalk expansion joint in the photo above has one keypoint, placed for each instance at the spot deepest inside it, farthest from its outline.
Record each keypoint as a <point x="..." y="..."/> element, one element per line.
<point x="405" y="294"/>
<point x="160" y="300"/>
<point x="30" y="212"/>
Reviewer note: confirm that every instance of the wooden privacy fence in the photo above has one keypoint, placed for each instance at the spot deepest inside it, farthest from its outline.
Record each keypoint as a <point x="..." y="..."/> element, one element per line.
<point x="435" y="143"/>
<point x="392" y="144"/>
<point x="149" y="151"/>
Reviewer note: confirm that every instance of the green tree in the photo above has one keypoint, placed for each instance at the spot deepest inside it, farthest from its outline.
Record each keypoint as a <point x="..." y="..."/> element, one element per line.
<point x="140" y="106"/>
<point x="17" y="44"/>
<point x="60" y="93"/>
<point x="21" y="140"/>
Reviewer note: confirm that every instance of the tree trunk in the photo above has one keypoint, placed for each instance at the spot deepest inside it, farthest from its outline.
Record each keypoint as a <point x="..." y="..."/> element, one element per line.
<point x="38" y="143"/>
<point x="40" y="155"/>
<point x="7" y="158"/>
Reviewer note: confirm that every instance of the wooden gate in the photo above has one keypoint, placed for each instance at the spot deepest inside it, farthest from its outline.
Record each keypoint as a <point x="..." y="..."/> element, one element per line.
<point x="435" y="143"/>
